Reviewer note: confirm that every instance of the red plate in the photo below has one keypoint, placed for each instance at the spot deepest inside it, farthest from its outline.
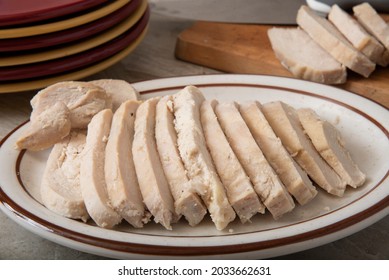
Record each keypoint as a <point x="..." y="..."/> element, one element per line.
<point x="76" y="61"/>
<point x="13" y="12"/>
<point x="68" y="35"/>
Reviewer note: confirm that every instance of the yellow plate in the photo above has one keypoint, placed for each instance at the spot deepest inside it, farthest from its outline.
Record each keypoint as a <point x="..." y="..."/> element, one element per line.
<point x="37" y="84"/>
<point x="79" y="47"/>
<point x="64" y="24"/>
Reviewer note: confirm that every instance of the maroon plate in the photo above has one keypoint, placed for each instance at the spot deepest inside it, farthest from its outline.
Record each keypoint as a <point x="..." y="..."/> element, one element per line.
<point x="69" y="35"/>
<point x="76" y="61"/>
<point x="14" y="12"/>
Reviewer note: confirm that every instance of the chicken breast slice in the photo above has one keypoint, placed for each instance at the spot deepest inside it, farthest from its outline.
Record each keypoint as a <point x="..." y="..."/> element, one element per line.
<point x="329" y="143"/>
<point x="84" y="100"/>
<point x="290" y="173"/>
<point x="373" y="22"/>
<point x="48" y="128"/>
<point x="122" y="184"/>
<point x="329" y="38"/>
<point x="119" y="91"/>
<point x="304" y="58"/>
<point x="266" y="183"/>
<point x="186" y="201"/>
<point x="152" y="181"/>
<point x="240" y="191"/>
<point x="60" y="188"/>
<point x="196" y="158"/>
<point x="93" y="186"/>
<point x="357" y="35"/>
<point x="285" y="123"/>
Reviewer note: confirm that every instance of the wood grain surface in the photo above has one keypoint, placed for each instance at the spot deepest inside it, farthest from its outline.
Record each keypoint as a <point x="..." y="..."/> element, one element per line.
<point x="245" y="48"/>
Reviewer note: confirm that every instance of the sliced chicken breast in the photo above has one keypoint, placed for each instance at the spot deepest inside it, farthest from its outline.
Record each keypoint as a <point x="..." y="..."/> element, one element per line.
<point x="304" y="58"/>
<point x="119" y="91"/>
<point x="186" y="201"/>
<point x="48" y="128"/>
<point x="285" y="123"/>
<point x="83" y="100"/>
<point x="329" y="143"/>
<point x="266" y="182"/>
<point x="290" y="173"/>
<point x="357" y="35"/>
<point x="330" y="39"/>
<point x="60" y="188"/>
<point x="93" y="186"/>
<point x="152" y="181"/>
<point x="240" y="191"/>
<point x="373" y="22"/>
<point x="196" y="158"/>
<point x="122" y="184"/>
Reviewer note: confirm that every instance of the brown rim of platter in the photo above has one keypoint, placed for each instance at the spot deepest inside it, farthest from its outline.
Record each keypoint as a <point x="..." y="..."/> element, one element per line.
<point x="147" y="249"/>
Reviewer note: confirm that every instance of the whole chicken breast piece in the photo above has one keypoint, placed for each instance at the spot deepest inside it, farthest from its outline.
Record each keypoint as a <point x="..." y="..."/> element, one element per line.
<point x="196" y="158"/>
<point x="290" y="173"/>
<point x="83" y="99"/>
<point x="266" y="183"/>
<point x="122" y="184"/>
<point x="47" y="129"/>
<point x="240" y="191"/>
<point x="152" y="181"/>
<point x="285" y="123"/>
<point x="93" y="186"/>
<point x="186" y="201"/>
<point x="329" y="143"/>
<point x="60" y="188"/>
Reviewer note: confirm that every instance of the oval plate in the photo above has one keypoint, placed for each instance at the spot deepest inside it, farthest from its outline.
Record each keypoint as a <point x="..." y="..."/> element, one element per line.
<point x="363" y="123"/>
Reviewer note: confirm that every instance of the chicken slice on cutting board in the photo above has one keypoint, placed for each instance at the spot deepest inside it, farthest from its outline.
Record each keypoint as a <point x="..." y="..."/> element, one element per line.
<point x="266" y="182"/>
<point x="93" y="186"/>
<point x="304" y="58"/>
<point x="152" y="181"/>
<point x="84" y="100"/>
<point x="329" y="38"/>
<point x="186" y="201"/>
<point x="50" y="127"/>
<point x="285" y="123"/>
<point x="122" y="184"/>
<point x="373" y="22"/>
<point x="60" y="188"/>
<point x="290" y="173"/>
<point x="240" y="191"/>
<point x="196" y="158"/>
<point x="357" y="35"/>
<point x="119" y="91"/>
<point x="329" y="143"/>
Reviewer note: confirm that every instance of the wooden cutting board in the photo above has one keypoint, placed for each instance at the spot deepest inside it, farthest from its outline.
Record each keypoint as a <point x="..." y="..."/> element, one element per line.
<point x="245" y="48"/>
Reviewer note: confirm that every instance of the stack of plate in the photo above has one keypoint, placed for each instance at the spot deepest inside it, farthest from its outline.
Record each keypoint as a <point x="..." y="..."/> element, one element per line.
<point x="47" y="41"/>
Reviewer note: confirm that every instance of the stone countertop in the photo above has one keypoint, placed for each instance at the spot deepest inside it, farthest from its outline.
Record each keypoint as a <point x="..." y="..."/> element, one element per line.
<point x="154" y="58"/>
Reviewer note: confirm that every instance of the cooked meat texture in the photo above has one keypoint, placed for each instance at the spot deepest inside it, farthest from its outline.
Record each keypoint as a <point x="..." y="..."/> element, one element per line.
<point x="93" y="186"/>
<point x="329" y="143"/>
<point x="285" y="123"/>
<point x="84" y="100"/>
<point x="152" y="181"/>
<point x="290" y="173"/>
<point x="357" y="35"/>
<point x="186" y="201"/>
<point x="266" y="182"/>
<point x="304" y="58"/>
<point x="119" y="91"/>
<point x="60" y="188"/>
<point x="122" y="184"/>
<point x="373" y="22"/>
<point x="331" y="40"/>
<point x="46" y="129"/>
<point x="240" y="191"/>
<point x="196" y="158"/>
